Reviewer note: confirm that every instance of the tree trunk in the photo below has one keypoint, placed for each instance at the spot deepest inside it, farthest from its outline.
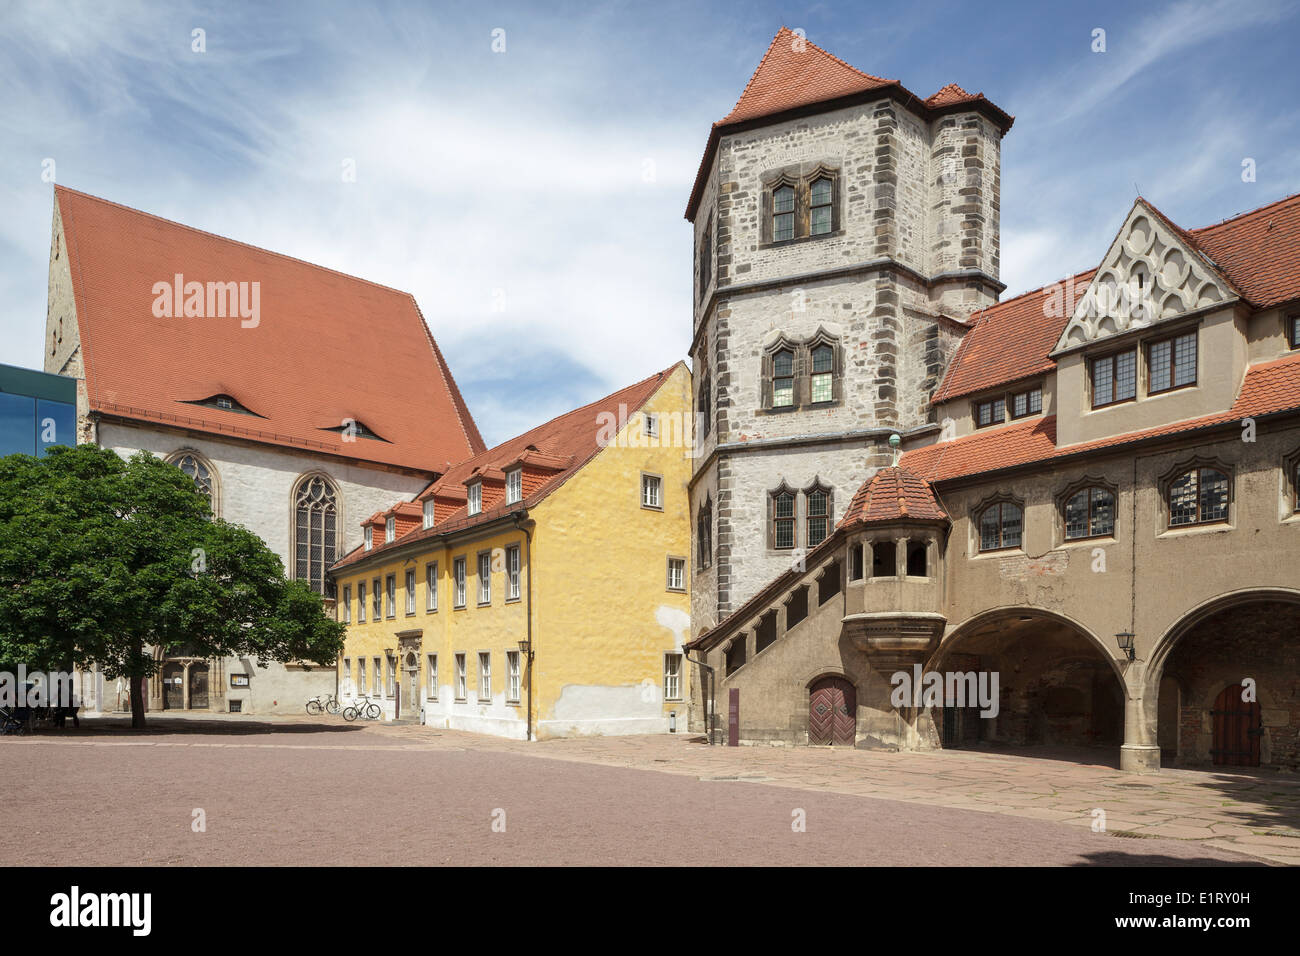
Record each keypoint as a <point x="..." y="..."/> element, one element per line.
<point x="137" y="703"/>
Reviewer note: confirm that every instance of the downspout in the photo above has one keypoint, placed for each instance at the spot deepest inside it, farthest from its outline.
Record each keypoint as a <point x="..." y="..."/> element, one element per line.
<point x="528" y="550"/>
<point x="711" y="710"/>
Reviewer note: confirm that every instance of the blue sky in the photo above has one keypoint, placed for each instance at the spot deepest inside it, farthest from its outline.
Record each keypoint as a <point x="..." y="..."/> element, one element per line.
<point x="507" y="190"/>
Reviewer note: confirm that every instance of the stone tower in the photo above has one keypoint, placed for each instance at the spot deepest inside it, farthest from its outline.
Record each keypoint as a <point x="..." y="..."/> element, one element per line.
<point x="845" y="230"/>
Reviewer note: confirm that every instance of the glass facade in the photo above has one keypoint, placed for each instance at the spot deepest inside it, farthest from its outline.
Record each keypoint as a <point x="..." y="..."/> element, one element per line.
<point x="37" y="410"/>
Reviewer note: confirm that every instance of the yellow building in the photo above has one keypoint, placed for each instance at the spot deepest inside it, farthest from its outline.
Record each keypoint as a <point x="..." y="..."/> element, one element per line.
<point x="540" y="588"/>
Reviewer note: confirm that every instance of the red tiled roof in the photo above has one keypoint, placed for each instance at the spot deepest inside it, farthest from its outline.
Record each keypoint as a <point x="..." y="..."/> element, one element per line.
<point x="327" y="346"/>
<point x="572" y="437"/>
<point x="893" y="494"/>
<point x="796" y="73"/>
<point x="1257" y="253"/>
<point x="1269" y="387"/>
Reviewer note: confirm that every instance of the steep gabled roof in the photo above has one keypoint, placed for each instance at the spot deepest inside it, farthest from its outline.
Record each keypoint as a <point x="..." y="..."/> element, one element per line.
<point x="1257" y="253"/>
<point x="326" y="347"/>
<point x="795" y="75"/>
<point x="572" y="439"/>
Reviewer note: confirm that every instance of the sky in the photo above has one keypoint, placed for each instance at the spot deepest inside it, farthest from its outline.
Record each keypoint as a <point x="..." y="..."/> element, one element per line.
<point x="532" y="197"/>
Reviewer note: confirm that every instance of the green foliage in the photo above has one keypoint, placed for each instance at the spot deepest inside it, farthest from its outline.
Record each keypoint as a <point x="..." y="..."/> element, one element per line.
<point x="102" y="559"/>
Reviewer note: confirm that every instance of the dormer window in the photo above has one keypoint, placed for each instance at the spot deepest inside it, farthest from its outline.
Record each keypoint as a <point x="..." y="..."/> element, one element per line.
<point x="514" y="486"/>
<point x="225" y="401"/>
<point x="352" y="429"/>
<point x="1293" y="330"/>
<point x="992" y="412"/>
<point x="1027" y="403"/>
<point x="370" y="543"/>
<point x="475" y="498"/>
<point x="819" y="204"/>
<point x="222" y="401"/>
<point x="1114" y="378"/>
<point x="390" y="529"/>
<point x="783" y="213"/>
<point x="1171" y="363"/>
<point x="428" y="512"/>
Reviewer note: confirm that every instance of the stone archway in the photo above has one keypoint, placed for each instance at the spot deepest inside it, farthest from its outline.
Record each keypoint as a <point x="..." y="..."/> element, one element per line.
<point x="1059" y="690"/>
<point x="1248" y="641"/>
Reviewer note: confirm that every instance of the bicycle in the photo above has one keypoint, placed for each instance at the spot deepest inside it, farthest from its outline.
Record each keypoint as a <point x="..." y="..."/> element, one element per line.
<point x="369" y="710"/>
<point x="317" y="705"/>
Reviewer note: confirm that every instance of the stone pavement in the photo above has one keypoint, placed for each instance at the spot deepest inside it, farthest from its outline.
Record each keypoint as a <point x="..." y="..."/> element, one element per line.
<point x="1256" y="813"/>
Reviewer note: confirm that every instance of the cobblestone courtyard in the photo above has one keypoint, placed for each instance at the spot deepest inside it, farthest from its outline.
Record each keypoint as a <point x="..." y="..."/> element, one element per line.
<point x="301" y="791"/>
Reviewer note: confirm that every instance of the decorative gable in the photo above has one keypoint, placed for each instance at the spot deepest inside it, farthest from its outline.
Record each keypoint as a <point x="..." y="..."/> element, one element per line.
<point x="1153" y="272"/>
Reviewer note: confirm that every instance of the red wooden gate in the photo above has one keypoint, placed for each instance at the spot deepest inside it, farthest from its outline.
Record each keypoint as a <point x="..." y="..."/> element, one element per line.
<point x="832" y="712"/>
<point x="1237" y="729"/>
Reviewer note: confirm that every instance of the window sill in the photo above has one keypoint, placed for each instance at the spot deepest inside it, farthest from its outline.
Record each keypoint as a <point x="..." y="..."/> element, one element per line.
<point x="675" y="590"/>
<point x="658" y="508"/>
<point x="513" y="600"/>
<point x="484" y="604"/>
<point x="1207" y="527"/>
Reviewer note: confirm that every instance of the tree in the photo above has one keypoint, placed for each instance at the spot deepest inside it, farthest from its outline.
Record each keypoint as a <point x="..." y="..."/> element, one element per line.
<point x="103" y="560"/>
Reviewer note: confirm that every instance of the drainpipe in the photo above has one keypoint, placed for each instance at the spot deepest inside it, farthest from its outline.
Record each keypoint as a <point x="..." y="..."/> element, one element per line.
<point x="520" y="518"/>
<point x="712" y="709"/>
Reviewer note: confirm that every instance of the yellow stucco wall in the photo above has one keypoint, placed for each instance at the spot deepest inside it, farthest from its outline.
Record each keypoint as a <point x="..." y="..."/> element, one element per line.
<point x="603" y="616"/>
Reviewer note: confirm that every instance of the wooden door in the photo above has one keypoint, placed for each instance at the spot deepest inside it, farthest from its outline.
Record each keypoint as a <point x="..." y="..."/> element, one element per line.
<point x="173" y="689"/>
<point x="1237" y="729"/>
<point x="832" y="712"/>
<point x="198" y="686"/>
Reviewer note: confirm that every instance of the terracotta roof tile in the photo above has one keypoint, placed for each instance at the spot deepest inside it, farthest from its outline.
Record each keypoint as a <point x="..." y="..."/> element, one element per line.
<point x="1269" y="387"/>
<point x="893" y="494"/>
<point x="1258" y="254"/>
<point x="572" y="437"/>
<point x="327" y="346"/>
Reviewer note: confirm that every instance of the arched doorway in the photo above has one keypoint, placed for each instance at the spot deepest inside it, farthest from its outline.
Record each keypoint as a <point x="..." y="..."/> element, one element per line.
<point x="198" y="687"/>
<point x="1232" y="661"/>
<point x="1032" y="681"/>
<point x="173" y="675"/>
<point x="832" y="712"/>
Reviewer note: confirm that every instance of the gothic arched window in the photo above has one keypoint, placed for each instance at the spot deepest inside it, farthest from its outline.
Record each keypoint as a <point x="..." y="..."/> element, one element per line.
<point x="819" y="207"/>
<point x="817" y="515"/>
<point x="201" y="472"/>
<point x="1000" y="526"/>
<point x="783" y="213"/>
<point x="1199" y="496"/>
<point x="1090" y="513"/>
<point x="315" y="530"/>
<point x="783" y="379"/>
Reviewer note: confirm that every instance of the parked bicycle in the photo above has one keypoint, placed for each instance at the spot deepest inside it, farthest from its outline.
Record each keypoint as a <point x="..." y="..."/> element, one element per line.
<point x="318" y="704"/>
<point x="364" y="707"/>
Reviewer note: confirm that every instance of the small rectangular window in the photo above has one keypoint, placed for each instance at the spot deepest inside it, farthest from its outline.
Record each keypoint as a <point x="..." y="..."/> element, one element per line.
<point x="672" y="677"/>
<point x="514" y="486"/>
<point x="410" y="590"/>
<point x="428" y="512"/>
<point x="1114" y="378"/>
<point x="431" y="586"/>
<point x="390" y="595"/>
<point x="431" y="688"/>
<point x="1293" y="330"/>
<point x="461" y="690"/>
<point x="512" y="573"/>
<point x="485" y="577"/>
<point x="484" y="676"/>
<point x="992" y="412"/>
<point x="369" y="533"/>
<point x="390" y="530"/>
<point x="1027" y="403"/>
<point x="1171" y="363"/>
<point x="361" y="602"/>
<point x="475" y="498"/>
<point x="677" y="574"/>
<point x="651" y="425"/>
<point x="458" y="569"/>
<point x="651" y="487"/>
<point x="512" y="675"/>
<point x="346" y="680"/>
<point x="347" y="604"/>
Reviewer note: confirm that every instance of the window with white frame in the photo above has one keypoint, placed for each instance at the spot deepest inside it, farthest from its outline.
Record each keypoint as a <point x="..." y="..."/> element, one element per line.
<point x="347" y="604"/>
<point x="460" y="677"/>
<point x="431" y="687"/>
<point x="390" y="529"/>
<point x="512" y="676"/>
<point x="652" y="492"/>
<point x="431" y="586"/>
<point x="672" y="677"/>
<point x="512" y="573"/>
<point x="428" y="512"/>
<point x="370" y="537"/>
<point x="376" y="677"/>
<point x="484" y="675"/>
<point x="361" y="603"/>
<point x="377" y="599"/>
<point x="458" y="570"/>
<point x="485" y="577"/>
<point x="514" y="486"/>
<point x="390" y="684"/>
<point x="475" y="498"/>
<point x="651" y="425"/>
<point x="677" y="574"/>
<point x="361" y="675"/>
<point x="346" y="684"/>
<point x="390" y="595"/>
<point x="410" y="590"/>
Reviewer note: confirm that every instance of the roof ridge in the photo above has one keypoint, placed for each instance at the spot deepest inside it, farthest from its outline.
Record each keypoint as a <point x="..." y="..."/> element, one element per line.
<point x="218" y="236"/>
<point x="1249" y="212"/>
